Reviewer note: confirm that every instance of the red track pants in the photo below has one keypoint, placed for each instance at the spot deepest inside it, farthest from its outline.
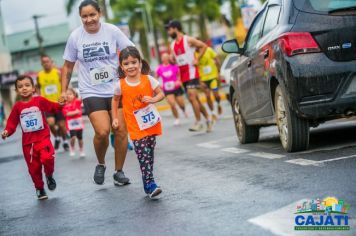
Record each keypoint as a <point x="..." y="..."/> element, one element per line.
<point x="37" y="155"/>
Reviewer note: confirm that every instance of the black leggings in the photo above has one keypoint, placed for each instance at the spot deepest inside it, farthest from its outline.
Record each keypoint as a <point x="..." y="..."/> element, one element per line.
<point x="144" y="149"/>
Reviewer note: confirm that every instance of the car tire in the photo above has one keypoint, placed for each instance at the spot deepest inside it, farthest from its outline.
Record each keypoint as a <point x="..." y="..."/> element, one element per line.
<point x="293" y="130"/>
<point x="245" y="133"/>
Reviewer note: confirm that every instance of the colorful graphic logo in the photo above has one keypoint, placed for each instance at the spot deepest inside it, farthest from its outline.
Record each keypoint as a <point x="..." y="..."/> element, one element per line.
<point x="327" y="214"/>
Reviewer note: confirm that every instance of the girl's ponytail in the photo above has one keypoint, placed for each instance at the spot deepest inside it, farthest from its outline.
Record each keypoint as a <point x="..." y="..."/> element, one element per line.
<point x="145" y="67"/>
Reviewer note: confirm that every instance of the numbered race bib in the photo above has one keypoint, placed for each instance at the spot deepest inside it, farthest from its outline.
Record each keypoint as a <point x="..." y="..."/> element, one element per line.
<point x="51" y="89"/>
<point x="102" y="75"/>
<point x="147" y="117"/>
<point x="167" y="74"/>
<point x="207" y="70"/>
<point x="182" y="60"/>
<point x="31" y="120"/>
<point x="75" y="124"/>
<point x="169" y="86"/>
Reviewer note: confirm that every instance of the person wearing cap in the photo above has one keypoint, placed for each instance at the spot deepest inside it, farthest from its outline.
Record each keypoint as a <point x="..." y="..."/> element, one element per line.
<point x="183" y="48"/>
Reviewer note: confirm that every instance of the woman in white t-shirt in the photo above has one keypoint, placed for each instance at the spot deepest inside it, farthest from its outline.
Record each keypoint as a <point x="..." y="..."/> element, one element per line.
<point x="94" y="46"/>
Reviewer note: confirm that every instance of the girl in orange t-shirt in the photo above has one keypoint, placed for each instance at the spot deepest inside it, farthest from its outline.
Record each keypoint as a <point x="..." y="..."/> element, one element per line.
<point x="139" y="92"/>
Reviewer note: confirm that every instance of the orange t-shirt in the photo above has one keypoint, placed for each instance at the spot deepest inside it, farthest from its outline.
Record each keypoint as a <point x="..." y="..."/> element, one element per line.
<point x="131" y="101"/>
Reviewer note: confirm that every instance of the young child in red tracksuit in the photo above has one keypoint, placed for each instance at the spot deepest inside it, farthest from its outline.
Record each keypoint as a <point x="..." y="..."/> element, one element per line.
<point x="37" y="147"/>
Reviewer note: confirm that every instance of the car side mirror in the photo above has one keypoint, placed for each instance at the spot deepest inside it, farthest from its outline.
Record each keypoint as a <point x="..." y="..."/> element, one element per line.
<point x="231" y="46"/>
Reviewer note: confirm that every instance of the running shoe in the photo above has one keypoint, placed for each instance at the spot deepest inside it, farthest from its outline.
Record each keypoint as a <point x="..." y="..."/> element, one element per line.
<point x="82" y="154"/>
<point x="56" y="144"/>
<point x="66" y="146"/>
<point x="209" y="126"/>
<point x="152" y="190"/>
<point x="176" y="122"/>
<point x="71" y="153"/>
<point x="51" y="183"/>
<point x="41" y="194"/>
<point x="120" y="178"/>
<point x="196" y="127"/>
<point x="99" y="174"/>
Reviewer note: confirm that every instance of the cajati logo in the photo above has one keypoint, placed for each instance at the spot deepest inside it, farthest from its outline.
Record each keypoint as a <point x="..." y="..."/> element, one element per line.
<point x="327" y="214"/>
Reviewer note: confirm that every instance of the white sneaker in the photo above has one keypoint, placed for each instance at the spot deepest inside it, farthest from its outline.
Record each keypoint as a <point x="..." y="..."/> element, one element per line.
<point x="176" y="122"/>
<point x="196" y="127"/>
<point x="72" y="153"/>
<point x="82" y="154"/>
<point x="209" y="126"/>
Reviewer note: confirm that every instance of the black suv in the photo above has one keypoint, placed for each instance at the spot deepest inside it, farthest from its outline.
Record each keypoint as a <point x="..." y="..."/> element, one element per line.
<point x="296" y="69"/>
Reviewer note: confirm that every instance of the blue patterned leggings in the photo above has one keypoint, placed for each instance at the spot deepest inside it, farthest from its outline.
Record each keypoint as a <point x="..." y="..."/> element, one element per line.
<point x="144" y="149"/>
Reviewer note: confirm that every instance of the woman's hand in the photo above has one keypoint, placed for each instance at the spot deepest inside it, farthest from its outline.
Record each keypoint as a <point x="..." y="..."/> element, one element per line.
<point x="4" y="134"/>
<point x="148" y="99"/>
<point x="115" y="123"/>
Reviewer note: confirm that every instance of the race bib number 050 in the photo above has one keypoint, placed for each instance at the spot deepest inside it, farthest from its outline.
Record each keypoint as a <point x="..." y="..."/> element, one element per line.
<point x="147" y="117"/>
<point x="31" y="120"/>
<point x="102" y="75"/>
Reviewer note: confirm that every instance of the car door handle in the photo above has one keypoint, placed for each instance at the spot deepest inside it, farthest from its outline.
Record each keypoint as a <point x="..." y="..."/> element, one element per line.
<point x="249" y="63"/>
<point x="265" y="53"/>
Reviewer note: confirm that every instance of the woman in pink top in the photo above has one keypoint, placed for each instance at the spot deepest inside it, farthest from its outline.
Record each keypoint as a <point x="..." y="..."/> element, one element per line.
<point x="74" y="120"/>
<point x="172" y="86"/>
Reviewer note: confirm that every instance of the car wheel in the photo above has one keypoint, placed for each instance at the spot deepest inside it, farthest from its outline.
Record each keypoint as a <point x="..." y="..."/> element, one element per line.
<point x="245" y="133"/>
<point x="293" y="130"/>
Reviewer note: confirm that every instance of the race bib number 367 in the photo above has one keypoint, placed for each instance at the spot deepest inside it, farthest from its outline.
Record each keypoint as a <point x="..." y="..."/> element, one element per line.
<point x="147" y="117"/>
<point x="31" y="119"/>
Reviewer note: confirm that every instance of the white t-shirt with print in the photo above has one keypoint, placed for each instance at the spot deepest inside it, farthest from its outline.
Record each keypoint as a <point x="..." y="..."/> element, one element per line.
<point x="117" y="88"/>
<point x="97" y="58"/>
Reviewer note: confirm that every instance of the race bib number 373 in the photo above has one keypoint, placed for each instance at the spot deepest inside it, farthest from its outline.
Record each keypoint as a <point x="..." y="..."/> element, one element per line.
<point x="147" y="117"/>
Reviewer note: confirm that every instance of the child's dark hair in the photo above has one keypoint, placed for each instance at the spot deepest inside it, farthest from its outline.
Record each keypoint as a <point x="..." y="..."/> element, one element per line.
<point x="133" y="52"/>
<point x="89" y="3"/>
<point x="22" y="77"/>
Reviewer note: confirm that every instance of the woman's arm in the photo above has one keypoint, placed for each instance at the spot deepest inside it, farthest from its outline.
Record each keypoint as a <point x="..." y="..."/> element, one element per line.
<point x="66" y="75"/>
<point x="114" y="109"/>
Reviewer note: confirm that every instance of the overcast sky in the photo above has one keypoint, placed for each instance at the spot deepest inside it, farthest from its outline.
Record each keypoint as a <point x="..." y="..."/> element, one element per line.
<point x="17" y="14"/>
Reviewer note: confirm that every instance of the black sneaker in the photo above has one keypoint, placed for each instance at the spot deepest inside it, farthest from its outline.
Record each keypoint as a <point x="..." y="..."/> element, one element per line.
<point x="56" y="144"/>
<point x="66" y="147"/>
<point x="99" y="174"/>
<point x="120" y="178"/>
<point x="51" y="183"/>
<point x="41" y="194"/>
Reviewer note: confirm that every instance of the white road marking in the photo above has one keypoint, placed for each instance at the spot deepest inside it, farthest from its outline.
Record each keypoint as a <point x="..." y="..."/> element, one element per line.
<point x="234" y="150"/>
<point x="214" y="144"/>
<point x="305" y="162"/>
<point x="208" y="145"/>
<point x="266" y="155"/>
<point x="281" y="222"/>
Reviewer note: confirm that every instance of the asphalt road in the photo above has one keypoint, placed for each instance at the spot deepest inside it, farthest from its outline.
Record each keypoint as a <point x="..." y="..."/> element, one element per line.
<point x="211" y="185"/>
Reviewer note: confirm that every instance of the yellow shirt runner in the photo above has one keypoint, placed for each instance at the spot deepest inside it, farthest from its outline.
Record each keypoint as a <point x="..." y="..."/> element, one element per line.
<point x="50" y="84"/>
<point x="207" y="67"/>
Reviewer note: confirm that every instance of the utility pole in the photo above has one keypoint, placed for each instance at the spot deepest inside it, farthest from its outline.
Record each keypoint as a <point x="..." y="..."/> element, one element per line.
<point x="38" y="35"/>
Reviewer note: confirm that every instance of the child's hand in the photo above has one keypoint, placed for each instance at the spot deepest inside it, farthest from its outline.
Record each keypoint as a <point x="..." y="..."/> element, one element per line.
<point x="148" y="99"/>
<point x="4" y="134"/>
<point x="115" y="123"/>
<point x="62" y="100"/>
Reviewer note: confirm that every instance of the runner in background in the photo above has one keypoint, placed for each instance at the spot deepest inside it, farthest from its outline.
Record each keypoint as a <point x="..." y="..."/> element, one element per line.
<point x="74" y="121"/>
<point x="49" y="86"/>
<point x="183" y="48"/>
<point x="209" y="74"/>
<point x="172" y="86"/>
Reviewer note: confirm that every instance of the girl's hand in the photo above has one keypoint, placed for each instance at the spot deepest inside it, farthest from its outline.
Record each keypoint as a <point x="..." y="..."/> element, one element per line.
<point x="115" y="123"/>
<point x="148" y="99"/>
<point x="4" y="134"/>
<point x="62" y="99"/>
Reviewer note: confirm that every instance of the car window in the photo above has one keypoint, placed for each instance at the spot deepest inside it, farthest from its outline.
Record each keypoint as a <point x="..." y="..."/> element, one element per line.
<point x="255" y="33"/>
<point x="323" y="6"/>
<point x="271" y="19"/>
